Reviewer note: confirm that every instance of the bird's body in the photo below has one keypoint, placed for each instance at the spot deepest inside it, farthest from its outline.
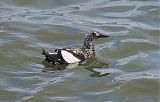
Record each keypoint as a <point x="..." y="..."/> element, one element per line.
<point x="74" y="55"/>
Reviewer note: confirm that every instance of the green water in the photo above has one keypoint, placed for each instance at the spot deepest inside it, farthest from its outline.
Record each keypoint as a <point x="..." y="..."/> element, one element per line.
<point x="125" y="67"/>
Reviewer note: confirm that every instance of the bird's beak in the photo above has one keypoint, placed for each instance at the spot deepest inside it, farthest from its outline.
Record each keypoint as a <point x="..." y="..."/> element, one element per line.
<point x="102" y="36"/>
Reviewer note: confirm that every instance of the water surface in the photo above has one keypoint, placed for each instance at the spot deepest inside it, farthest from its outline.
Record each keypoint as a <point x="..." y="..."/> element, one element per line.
<point x="124" y="69"/>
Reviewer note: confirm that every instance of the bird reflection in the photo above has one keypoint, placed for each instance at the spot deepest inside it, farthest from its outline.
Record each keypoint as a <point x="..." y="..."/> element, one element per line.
<point x="93" y="64"/>
<point x="90" y="64"/>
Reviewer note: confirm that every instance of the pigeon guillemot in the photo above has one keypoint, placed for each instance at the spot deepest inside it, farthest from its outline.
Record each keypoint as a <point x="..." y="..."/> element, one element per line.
<point x="74" y="55"/>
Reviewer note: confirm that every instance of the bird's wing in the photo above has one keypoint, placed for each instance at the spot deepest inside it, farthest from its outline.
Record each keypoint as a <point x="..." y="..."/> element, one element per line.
<point x="71" y="55"/>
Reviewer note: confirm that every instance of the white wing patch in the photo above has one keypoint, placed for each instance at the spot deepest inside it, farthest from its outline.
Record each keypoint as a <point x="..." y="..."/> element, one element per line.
<point x="52" y="53"/>
<point x="68" y="57"/>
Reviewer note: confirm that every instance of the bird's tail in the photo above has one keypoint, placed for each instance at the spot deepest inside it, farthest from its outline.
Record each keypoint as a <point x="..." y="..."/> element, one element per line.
<point x="45" y="53"/>
<point x="49" y="57"/>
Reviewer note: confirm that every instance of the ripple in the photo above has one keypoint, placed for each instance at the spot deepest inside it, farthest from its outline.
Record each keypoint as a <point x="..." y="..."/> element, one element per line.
<point x="116" y="8"/>
<point x="100" y="93"/>
<point x="60" y="98"/>
<point x="39" y="87"/>
<point x="127" y="60"/>
<point x="126" y="65"/>
<point x="150" y="74"/>
<point x="108" y="70"/>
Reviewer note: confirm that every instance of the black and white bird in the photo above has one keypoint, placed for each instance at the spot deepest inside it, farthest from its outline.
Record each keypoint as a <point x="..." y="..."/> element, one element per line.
<point x="74" y="55"/>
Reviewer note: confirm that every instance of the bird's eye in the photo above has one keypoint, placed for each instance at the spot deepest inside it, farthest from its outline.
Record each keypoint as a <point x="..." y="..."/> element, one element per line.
<point x="94" y="33"/>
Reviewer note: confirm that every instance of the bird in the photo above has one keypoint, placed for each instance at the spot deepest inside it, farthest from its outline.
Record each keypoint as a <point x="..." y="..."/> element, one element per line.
<point x="74" y="55"/>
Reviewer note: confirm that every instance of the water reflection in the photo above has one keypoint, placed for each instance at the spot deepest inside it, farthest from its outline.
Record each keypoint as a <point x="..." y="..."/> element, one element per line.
<point x="90" y="64"/>
<point x="93" y="63"/>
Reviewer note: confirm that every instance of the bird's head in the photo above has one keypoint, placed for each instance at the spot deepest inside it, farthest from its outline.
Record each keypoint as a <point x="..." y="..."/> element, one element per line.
<point x="97" y="35"/>
<point x="90" y="37"/>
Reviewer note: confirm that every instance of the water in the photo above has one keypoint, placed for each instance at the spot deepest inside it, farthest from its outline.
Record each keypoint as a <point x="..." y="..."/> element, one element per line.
<point x="124" y="69"/>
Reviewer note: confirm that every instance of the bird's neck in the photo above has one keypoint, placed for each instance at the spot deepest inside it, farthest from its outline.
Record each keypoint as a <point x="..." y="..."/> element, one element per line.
<point x="88" y="45"/>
